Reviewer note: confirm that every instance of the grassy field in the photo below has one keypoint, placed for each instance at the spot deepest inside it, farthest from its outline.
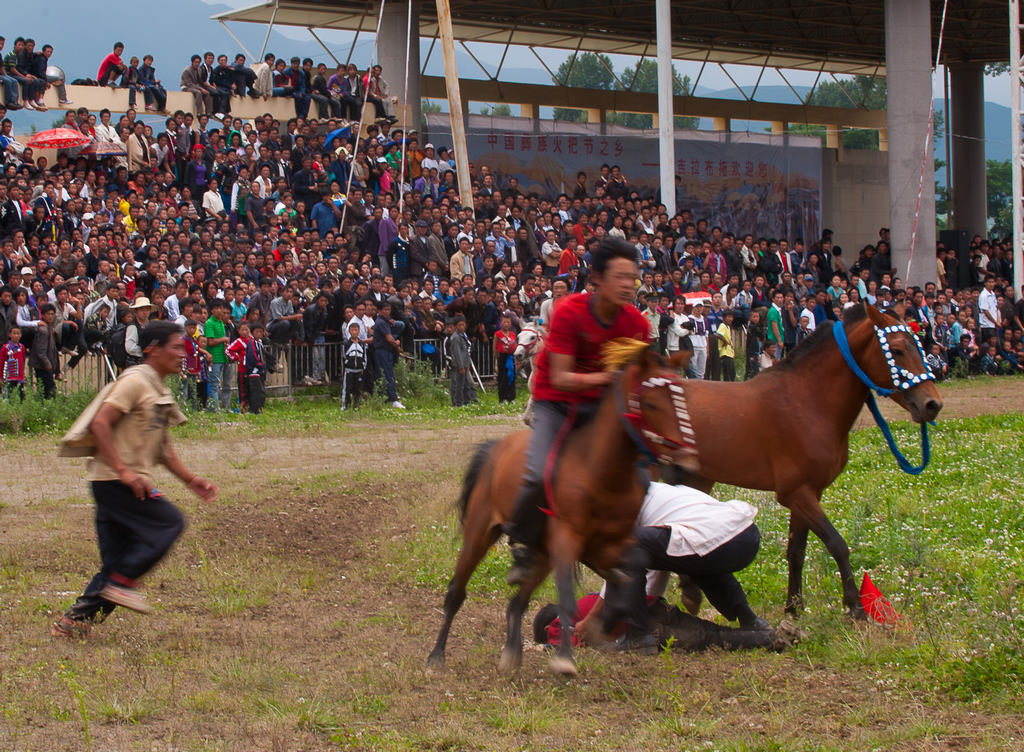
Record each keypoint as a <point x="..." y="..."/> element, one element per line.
<point x="297" y="612"/>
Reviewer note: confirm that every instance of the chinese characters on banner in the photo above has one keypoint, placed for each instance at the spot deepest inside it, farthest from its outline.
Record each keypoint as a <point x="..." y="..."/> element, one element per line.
<point x="766" y="185"/>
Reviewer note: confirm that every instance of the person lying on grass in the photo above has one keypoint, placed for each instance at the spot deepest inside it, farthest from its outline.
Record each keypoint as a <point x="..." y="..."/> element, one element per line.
<point x="690" y="533"/>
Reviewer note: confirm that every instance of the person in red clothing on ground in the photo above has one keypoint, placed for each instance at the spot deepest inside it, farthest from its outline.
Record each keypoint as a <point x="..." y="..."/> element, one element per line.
<point x="569" y="383"/>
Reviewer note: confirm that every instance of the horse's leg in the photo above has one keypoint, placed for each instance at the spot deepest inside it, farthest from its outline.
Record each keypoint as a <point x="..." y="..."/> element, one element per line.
<point x="565" y="551"/>
<point x="512" y="653"/>
<point x="836" y="546"/>
<point x="796" y="549"/>
<point x="476" y="543"/>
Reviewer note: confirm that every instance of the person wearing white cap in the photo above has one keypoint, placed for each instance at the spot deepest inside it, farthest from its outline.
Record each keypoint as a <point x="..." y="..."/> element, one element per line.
<point x="140" y="309"/>
<point x="86" y="226"/>
<point x="429" y="161"/>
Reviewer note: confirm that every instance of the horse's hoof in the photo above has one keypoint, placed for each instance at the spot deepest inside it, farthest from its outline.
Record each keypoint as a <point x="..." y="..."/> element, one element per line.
<point x="563" y="666"/>
<point x="510" y="661"/>
<point x="435" y="663"/>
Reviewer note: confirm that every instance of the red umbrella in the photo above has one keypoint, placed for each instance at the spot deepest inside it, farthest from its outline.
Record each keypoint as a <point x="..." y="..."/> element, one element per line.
<point x="58" y="138"/>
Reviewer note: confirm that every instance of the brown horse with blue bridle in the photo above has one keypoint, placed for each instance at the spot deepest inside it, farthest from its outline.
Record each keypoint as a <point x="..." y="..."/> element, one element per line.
<point x="811" y="399"/>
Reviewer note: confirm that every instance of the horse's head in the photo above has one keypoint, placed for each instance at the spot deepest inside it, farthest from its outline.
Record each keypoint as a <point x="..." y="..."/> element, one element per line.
<point x="893" y="358"/>
<point x="651" y="402"/>
<point x="526" y="343"/>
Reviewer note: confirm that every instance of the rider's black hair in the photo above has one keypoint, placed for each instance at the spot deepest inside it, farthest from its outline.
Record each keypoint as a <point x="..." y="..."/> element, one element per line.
<point x="611" y="248"/>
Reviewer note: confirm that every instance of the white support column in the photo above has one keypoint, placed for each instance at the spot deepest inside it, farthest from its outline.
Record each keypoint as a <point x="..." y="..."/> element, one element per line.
<point x="908" y="64"/>
<point x="455" y="109"/>
<point x="666" y="121"/>
<point x="1016" y="82"/>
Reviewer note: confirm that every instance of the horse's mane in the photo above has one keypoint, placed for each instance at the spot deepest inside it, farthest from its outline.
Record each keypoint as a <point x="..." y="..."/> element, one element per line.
<point x="621" y="351"/>
<point x="822" y="334"/>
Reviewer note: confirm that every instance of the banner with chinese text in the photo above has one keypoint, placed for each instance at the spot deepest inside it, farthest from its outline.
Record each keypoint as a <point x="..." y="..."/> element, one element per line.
<point x="766" y="185"/>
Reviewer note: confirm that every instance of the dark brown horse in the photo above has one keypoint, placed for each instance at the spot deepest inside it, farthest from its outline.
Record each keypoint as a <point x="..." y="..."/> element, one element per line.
<point x="787" y="430"/>
<point x="596" y="494"/>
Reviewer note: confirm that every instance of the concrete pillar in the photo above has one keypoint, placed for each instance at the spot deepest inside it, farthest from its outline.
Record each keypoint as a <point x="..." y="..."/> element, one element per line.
<point x="908" y="65"/>
<point x="391" y="55"/>
<point x="967" y="129"/>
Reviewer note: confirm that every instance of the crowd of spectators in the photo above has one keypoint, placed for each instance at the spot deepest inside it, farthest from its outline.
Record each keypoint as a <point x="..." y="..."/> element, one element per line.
<point x="218" y="221"/>
<point x="23" y="78"/>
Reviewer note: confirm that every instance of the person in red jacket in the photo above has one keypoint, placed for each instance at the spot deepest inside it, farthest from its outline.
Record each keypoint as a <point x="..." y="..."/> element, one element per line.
<point x="504" y="348"/>
<point x="236" y="352"/>
<point x="570" y="380"/>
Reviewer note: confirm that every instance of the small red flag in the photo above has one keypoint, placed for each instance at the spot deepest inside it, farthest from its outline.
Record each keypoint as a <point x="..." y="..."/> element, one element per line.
<point x="877" y="605"/>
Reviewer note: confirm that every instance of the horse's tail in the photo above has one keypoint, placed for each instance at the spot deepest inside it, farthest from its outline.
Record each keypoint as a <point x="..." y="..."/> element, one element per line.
<point x="476" y="465"/>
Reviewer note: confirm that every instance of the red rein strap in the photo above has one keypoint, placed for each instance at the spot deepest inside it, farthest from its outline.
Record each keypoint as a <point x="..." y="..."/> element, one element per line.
<point x="552" y="460"/>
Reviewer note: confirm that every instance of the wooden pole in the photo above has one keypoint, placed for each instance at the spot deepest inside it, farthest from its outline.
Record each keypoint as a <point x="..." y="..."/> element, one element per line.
<point x="451" y="79"/>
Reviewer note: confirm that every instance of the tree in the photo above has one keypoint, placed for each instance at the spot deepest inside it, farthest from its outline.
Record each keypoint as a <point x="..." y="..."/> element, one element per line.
<point x="643" y="77"/>
<point x="861" y="89"/>
<point x="427" y="105"/>
<point x="497" y="110"/>
<point x="997" y="69"/>
<point x="999" y="181"/>
<point x="586" y="71"/>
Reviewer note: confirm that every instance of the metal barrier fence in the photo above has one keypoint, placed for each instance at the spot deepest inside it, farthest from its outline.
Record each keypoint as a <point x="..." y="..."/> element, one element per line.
<point x="296" y="367"/>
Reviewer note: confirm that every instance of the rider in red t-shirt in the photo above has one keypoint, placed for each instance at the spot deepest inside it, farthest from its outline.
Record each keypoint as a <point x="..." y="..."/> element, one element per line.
<point x="570" y="380"/>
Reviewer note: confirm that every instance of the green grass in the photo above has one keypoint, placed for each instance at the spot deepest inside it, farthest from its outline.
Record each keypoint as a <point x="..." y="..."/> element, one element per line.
<point x="256" y="645"/>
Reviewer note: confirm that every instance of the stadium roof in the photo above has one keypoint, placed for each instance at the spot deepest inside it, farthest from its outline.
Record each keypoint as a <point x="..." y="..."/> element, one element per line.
<point x="836" y="36"/>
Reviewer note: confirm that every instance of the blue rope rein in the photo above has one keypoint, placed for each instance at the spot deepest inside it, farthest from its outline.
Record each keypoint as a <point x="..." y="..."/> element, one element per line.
<point x="839" y="333"/>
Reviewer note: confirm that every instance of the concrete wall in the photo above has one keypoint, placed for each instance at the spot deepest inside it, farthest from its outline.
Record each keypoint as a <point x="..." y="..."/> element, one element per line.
<point x="854" y="197"/>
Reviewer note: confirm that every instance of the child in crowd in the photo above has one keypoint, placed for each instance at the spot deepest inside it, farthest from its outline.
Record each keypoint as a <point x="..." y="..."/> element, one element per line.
<point x="504" y="348"/>
<point x="236" y="352"/>
<point x="132" y="80"/>
<point x="355" y="365"/>
<point x="460" y="386"/>
<point x="43" y="355"/>
<point x="191" y="367"/>
<point x="726" y="352"/>
<point x="804" y="330"/>
<point x="257" y="359"/>
<point x="12" y="360"/>
<point x="936" y="362"/>
<point x="991" y="361"/>
<point x="755" y="344"/>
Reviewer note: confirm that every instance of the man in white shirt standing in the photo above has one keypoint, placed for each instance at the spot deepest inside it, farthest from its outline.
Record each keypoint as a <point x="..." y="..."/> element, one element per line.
<point x="988" y="310"/>
<point x="699" y="339"/>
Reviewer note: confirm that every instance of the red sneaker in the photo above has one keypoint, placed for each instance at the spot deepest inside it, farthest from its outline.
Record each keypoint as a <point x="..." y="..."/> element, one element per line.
<point x="67" y="628"/>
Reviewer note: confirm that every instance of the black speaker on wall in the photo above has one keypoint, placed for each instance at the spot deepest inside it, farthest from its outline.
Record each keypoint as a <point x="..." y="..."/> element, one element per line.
<point x="959" y="241"/>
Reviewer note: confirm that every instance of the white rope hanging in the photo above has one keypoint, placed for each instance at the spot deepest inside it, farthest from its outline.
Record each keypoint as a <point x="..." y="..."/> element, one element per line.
<point x="374" y="54"/>
<point x="405" y="104"/>
<point x="927" y="144"/>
